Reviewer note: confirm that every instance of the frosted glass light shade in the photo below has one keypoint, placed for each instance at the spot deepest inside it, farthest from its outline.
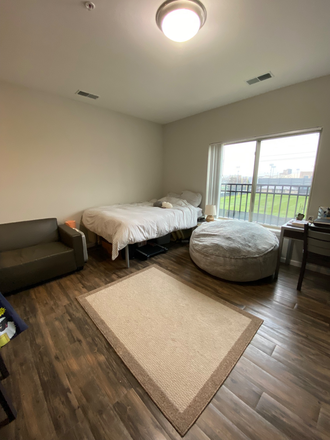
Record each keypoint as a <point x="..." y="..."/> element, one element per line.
<point x="181" y="25"/>
<point x="180" y="20"/>
<point x="210" y="210"/>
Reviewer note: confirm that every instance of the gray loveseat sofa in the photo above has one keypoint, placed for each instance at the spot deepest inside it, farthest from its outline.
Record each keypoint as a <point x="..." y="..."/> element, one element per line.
<point x="37" y="250"/>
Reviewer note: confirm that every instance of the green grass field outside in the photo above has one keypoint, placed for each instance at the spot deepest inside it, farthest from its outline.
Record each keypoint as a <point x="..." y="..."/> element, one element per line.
<point x="279" y="208"/>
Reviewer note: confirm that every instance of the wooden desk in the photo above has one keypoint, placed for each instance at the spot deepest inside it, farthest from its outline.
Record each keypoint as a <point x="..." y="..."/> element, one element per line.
<point x="293" y="233"/>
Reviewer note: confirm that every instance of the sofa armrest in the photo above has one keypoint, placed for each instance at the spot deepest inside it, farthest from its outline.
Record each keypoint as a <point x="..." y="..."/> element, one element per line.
<point x="73" y="239"/>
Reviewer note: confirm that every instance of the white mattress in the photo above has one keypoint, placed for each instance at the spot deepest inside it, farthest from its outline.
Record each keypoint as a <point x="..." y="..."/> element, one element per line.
<point x="132" y="223"/>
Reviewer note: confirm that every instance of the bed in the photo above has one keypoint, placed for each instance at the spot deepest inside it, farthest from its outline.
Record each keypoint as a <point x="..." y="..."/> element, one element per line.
<point x="132" y="223"/>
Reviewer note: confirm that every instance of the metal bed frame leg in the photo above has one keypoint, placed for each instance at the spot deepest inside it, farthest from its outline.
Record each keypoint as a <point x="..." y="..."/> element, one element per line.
<point x="127" y="255"/>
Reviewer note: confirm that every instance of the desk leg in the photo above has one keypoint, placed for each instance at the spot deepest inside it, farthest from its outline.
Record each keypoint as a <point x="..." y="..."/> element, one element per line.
<point x="289" y="252"/>
<point x="279" y="254"/>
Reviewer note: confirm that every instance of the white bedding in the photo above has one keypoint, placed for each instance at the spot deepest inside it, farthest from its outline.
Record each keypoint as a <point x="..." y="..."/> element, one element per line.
<point x="127" y="224"/>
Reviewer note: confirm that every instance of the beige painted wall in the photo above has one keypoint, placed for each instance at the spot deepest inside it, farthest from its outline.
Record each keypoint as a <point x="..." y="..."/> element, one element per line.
<point x="59" y="157"/>
<point x="301" y="106"/>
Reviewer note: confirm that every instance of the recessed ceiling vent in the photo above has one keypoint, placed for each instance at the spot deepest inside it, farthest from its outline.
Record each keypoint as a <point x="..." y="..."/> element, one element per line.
<point x="86" y="94"/>
<point x="260" y="78"/>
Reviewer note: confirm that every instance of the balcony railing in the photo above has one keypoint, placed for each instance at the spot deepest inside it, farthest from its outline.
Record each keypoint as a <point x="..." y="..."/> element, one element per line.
<point x="273" y="204"/>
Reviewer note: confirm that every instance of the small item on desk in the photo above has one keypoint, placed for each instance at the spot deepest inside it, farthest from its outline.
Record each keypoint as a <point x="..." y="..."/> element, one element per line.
<point x="322" y="222"/>
<point x="300" y="216"/>
<point x="323" y="212"/>
<point x="297" y="223"/>
<point x="323" y="217"/>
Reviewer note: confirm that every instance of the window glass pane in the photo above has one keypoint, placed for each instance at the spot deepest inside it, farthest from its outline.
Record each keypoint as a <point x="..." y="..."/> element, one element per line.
<point x="236" y="179"/>
<point x="285" y="175"/>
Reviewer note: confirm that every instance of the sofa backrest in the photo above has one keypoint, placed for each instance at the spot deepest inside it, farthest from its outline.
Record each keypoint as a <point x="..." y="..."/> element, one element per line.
<point x="29" y="233"/>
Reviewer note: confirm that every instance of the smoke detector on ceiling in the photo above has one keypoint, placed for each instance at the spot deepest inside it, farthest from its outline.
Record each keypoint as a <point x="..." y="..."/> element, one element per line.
<point x="86" y="94"/>
<point x="260" y="78"/>
<point x="90" y="6"/>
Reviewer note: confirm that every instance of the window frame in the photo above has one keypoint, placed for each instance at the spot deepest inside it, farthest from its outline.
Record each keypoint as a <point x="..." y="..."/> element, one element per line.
<point x="215" y="172"/>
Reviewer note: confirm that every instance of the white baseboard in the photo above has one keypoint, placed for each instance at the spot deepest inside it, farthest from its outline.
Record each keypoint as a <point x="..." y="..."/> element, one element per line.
<point x="313" y="267"/>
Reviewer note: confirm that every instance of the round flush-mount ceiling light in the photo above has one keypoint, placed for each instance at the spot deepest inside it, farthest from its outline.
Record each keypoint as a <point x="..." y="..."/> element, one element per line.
<point x="180" y="20"/>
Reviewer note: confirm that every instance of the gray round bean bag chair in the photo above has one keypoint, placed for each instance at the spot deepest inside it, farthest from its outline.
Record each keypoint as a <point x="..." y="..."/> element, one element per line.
<point x="234" y="250"/>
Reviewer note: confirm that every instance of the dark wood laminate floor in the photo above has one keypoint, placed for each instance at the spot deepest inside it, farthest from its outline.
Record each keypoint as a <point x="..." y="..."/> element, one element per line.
<point x="68" y="384"/>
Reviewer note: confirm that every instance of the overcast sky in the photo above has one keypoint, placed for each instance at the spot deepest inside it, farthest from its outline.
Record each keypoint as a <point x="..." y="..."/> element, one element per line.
<point x="295" y="152"/>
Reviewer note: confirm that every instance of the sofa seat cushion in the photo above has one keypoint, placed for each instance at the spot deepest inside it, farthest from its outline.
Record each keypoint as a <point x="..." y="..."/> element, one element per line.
<point x="234" y="250"/>
<point x="32" y="253"/>
<point x="27" y="233"/>
<point x="30" y="265"/>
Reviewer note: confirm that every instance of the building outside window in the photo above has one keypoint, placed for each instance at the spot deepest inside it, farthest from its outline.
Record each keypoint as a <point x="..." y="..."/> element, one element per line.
<point x="267" y="180"/>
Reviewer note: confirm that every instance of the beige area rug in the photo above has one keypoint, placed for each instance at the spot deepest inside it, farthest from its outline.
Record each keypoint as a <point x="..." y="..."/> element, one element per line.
<point x="179" y="342"/>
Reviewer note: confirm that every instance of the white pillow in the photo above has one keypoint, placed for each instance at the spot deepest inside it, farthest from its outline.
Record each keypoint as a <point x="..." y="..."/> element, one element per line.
<point x="170" y="199"/>
<point x="170" y="194"/>
<point x="192" y="198"/>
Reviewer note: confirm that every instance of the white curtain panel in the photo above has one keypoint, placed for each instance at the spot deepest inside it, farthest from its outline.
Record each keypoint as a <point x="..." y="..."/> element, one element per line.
<point x="214" y="176"/>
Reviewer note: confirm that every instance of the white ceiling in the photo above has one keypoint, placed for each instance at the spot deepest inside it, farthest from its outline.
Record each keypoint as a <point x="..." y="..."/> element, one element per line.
<point x="118" y="52"/>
